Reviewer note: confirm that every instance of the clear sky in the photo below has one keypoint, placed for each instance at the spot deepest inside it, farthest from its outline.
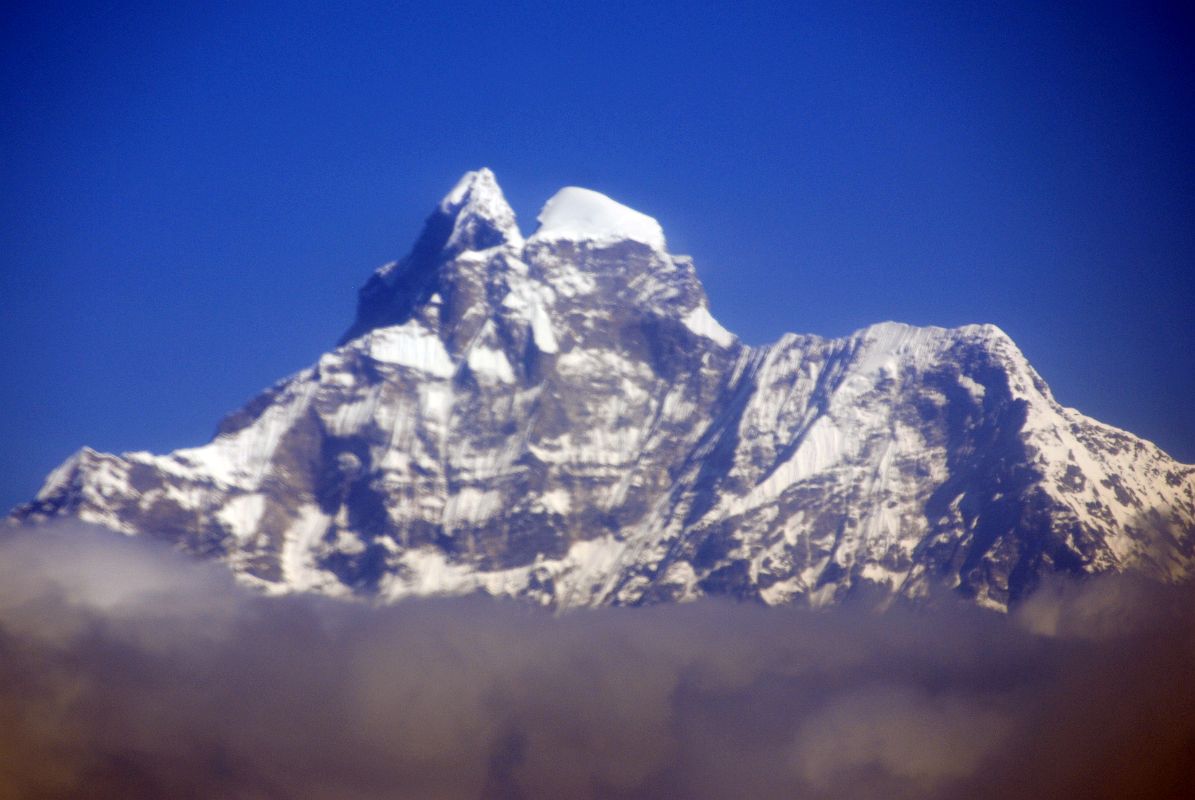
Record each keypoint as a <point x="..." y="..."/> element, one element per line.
<point x="192" y="195"/>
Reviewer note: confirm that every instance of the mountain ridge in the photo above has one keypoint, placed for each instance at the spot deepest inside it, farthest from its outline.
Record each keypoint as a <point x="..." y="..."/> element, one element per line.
<point x="560" y="418"/>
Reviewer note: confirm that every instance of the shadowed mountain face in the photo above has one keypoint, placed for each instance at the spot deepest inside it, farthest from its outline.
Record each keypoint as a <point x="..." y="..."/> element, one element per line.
<point x="560" y="418"/>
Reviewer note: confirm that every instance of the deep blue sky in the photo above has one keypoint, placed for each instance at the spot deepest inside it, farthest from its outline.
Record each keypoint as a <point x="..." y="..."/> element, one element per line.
<point x="191" y="196"/>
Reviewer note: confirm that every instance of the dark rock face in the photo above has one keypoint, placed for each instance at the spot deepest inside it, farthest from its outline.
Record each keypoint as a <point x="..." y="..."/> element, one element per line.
<point x="560" y="419"/>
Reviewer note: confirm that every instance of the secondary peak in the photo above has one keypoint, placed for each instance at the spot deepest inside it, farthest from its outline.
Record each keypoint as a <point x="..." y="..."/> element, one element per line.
<point x="575" y="214"/>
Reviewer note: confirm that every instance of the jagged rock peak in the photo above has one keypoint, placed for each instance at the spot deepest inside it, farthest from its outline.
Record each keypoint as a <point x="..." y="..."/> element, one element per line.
<point x="473" y="217"/>
<point x="576" y="214"/>
<point x="471" y="237"/>
<point x="481" y="217"/>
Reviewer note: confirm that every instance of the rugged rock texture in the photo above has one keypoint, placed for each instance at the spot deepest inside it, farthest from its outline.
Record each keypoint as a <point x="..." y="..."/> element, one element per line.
<point x="561" y="419"/>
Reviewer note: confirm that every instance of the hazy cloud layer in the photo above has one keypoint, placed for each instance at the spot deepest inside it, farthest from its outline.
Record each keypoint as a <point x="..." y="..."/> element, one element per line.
<point x="128" y="671"/>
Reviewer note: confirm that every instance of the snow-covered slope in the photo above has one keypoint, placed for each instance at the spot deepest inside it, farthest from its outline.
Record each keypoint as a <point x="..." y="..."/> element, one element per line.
<point x="562" y="419"/>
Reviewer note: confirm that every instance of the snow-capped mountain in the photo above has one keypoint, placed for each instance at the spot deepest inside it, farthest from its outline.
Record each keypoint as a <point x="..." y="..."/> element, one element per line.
<point x="560" y="418"/>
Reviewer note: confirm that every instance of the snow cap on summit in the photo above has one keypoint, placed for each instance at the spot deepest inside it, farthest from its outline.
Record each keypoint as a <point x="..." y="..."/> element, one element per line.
<point x="477" y="197"/>
<point x="575" y="214"/>
<point x="478" y="183"/>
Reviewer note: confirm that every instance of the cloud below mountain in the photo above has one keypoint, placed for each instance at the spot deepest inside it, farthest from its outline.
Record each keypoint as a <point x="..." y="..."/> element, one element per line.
<point x="127" y="670"/>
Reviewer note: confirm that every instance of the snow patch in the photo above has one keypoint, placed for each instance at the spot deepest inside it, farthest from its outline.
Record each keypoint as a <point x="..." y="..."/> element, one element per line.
<point x="471" y="505"/>
<point x="299" y="572"/>
<point x="596" y="557"/>
<point x="702" y="323"/>
<point x="491" y="364"/>
<point x="972" y="386"/>
<point x="530" y="301"/>
<point x="541" y="330"/>
<point x="410" y="345"/>
<point x="557" y="501"/>
<point x="242" y="514"/>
